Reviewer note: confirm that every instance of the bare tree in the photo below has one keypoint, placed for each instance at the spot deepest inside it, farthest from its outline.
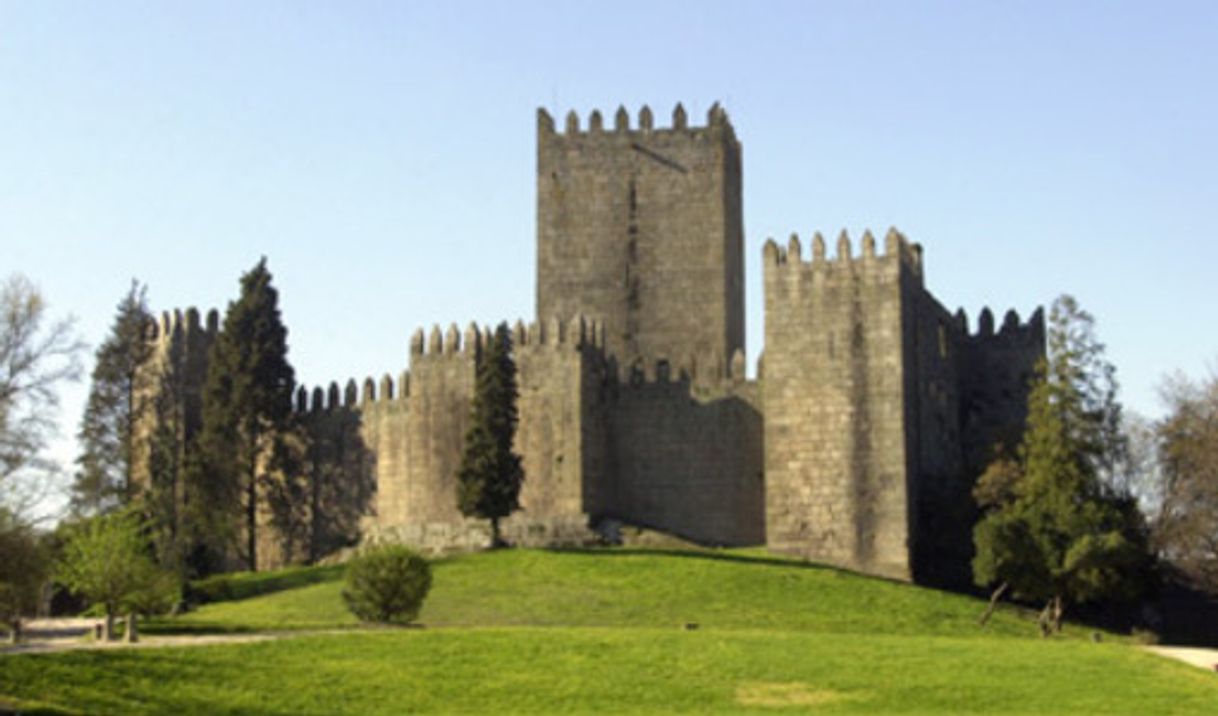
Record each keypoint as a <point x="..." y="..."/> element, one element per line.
<point x="36" y="356"/>
<point x="1186" y="526"/>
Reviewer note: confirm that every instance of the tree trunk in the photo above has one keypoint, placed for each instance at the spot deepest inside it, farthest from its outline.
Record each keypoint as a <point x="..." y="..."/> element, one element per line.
<point x="133" y="634"/>
<point x="14" y="631"/>
<point x="108" y="630"/>
<point x="1059" y="611"/>
<point x="251" y="514"/>
<point x="496" y="537"/>
<point x="1042" y="621"/>
<point x="989" y="610"/>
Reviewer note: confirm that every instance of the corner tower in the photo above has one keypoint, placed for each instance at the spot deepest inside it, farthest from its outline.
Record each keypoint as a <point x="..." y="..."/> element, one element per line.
<point x="642" y="228"/>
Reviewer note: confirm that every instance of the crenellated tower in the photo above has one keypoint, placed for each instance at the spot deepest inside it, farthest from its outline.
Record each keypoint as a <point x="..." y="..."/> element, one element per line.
<point x="642" y="227"/>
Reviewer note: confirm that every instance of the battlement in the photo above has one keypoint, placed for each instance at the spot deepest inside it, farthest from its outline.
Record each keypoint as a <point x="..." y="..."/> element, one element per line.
<point x="896" y="249"/>
<point x="717" y="124"/>
<point x="579" y="332"/>
<point x="1012" y="330"/>
<point x="175" y="322"/>
<point x="351" y="396"/>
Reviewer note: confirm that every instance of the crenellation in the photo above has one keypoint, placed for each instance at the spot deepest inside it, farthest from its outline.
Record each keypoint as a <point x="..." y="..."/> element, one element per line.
<point x="843" y="247"/>
<point x="545" y="123"/>
<point x="192" y="322"/>
<point x="318" y="403"/>
<point x="369" y="392"/>
<point x="350" y="394"/>
<point x="473" y="342"/>
<point x="416" y="342"/>
<point x="621" y="120"/>
<point x="985" y="323"/>
<point x="868" y="245"/>
<point x="386" y="392"/>
<point x="333" y="399"/>
<point x="794" y="249"/>
<point x="452" y="340"/>
<point x="717" y="121"/>
<point x="301" y="404"/>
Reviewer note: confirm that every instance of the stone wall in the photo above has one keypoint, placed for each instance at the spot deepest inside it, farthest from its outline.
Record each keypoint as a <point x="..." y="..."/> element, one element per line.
<point x="687" y="458"/>
<point x="169" y="389"/>
<point x="997" y="377"/>
<point x="387" y="463"/>
<point x="940" y="495"/>
<point x="643" y="228"/>
<point x="835" y="412"/>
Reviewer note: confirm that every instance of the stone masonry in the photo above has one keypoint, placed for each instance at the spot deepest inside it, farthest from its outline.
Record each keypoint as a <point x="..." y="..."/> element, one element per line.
<point x="855" y="445"/>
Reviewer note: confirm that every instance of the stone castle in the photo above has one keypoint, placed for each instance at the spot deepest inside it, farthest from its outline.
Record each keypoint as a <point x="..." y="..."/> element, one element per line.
<point x="854" y="445"/>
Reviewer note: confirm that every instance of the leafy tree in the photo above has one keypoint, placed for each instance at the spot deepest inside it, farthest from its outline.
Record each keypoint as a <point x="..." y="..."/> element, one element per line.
<point x="22" y="572"/>
<point x="1055" y="530"/>
<point x="106" y="434"/>
<point x="489" y="478"/>
<point x="387" y="585"/>
<point x="105" y="559"/>
<point x="247" y="408"/>
<point x="34" y="359"/>
<point x="1186" y="526"/>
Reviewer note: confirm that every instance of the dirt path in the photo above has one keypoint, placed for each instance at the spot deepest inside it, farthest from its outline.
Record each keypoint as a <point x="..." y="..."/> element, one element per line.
<point x="53" y="635"/>
<point x="1204" y="658"/>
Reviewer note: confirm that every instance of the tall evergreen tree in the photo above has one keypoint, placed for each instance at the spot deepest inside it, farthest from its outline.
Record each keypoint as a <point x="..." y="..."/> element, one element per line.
<point x="489" y="479"/>
<point x="247" y="408"/>
<point x="1055" y="530"/>
<point x="103" y="480"/>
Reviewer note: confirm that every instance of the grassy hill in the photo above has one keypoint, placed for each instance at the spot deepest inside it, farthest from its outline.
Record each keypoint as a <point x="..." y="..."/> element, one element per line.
<point x="728" y="589"/>
<point x="525" y="631"/>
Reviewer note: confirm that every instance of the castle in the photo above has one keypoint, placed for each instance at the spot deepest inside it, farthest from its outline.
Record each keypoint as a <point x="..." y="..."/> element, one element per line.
<point x="854" y="445"/>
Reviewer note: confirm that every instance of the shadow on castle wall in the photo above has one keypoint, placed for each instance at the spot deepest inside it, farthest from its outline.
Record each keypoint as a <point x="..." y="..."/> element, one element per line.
<point x="688" y="459"/>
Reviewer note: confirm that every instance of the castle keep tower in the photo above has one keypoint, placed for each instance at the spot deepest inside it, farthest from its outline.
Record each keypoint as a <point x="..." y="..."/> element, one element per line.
<point x="642" y="228"/>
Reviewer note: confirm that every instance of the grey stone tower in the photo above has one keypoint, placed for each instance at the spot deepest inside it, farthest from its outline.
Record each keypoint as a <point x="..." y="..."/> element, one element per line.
<point x="642" y="228"/>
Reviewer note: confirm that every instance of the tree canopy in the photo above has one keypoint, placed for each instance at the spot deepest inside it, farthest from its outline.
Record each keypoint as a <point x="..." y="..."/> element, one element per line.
<point x="490" y="475"/>
<point x="1186" y="525"/>
<point x="247" y="409"/>
<point x="103" y="480"/>
<point x="36" y="356"/>
<point x="1055" y="530"/>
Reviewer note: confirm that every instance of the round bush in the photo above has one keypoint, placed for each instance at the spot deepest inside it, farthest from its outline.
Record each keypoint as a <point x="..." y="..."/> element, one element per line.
<point x="387" y="585"/>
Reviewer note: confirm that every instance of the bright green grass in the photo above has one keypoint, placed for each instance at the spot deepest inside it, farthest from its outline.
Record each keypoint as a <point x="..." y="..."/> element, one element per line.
<point x="732" y="589"/>
<point x="523" y="631"/>
<point x="625" y="670"/>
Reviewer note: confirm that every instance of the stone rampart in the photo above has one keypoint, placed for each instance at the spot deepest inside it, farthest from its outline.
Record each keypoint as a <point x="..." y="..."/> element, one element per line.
<point x="687" y="456"/>
<point x="835" y="414"/>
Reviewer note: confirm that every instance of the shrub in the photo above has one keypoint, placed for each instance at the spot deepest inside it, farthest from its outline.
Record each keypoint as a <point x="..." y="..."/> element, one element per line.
<point x="387" y="585"/>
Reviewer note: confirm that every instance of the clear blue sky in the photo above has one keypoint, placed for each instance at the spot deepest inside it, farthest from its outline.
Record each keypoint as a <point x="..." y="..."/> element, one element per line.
<point x="382" y="154"/>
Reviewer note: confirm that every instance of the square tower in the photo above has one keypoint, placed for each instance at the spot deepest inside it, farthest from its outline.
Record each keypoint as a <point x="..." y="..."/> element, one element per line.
<point x="642" y="229"/>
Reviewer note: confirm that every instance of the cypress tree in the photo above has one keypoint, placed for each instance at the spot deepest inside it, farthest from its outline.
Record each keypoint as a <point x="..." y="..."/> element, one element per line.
<point x="103" y="480"/>
<point x="247" y="408"/>
<point x="490" y="475"/>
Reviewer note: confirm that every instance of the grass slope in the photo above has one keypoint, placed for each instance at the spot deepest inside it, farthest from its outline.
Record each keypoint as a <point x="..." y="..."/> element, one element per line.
<point x="530" y="631"/>
<point x="732" y="589"/>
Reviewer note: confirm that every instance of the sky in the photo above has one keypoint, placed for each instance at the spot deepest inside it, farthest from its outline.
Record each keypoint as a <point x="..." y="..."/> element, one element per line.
<point x="382" y="155"/>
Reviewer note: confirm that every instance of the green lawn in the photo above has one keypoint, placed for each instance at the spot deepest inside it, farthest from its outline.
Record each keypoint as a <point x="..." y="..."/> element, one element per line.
<point x="729" y="589"/>
<point x="531" y="631"/>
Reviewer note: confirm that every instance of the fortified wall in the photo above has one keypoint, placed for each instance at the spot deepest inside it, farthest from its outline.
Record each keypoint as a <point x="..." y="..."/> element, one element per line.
<point x="857" y="444"/>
